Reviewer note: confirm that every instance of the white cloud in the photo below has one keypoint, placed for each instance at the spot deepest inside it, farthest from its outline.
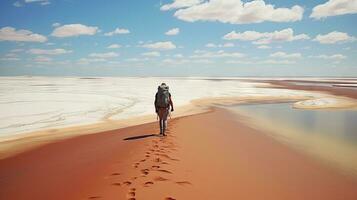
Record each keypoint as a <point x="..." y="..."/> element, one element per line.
<point x="160" y="45"/>
<point x="333" y="8"/>
<point x="17" y="4"/>
<point x="228" y="44"/>
<point x="185" y="61"/>
<point x="114" y="46"/>
<point x="49" y="51"/>
<point x="151" y="54"/>
<point x="271" y="61"/>
<point x="331" y="57"/>
<point x="10" y="57"/>
<point x="70" y="30"/>
<point x="212" y="45"/>
<point x="117" y="31"/>
<point x="104" y="55"/>
<point x="42" y="59"/>
<point x="285" y="35"/>
<point x="234" y="11"/>
<point x="180" y="4"/>
<point x="83" y="61"/>
<point x="17" y="50"/>
<point x="11" y="34"/>
<point x="56" y="24"/>
<point x="239" y="62"/>
<point x="281" y="54"/>
<point x="178" y="56"/>
<point x="218" y="54"/>
<point x="41" y="2"/>
<point x="173" y="31"/>
<point x="334" y="37"/>
<point x="264" y="47"/>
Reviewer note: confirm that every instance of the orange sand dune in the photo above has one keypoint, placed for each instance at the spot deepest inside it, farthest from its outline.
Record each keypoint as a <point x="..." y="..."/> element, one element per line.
<point x="205" y="156"/>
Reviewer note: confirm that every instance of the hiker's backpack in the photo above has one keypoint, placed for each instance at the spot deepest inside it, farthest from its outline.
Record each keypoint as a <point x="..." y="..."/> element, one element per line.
<point x="163" y="97"/>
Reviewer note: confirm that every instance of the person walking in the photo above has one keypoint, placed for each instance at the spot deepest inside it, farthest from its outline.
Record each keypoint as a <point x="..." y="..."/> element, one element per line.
<point x="163" y="103"/>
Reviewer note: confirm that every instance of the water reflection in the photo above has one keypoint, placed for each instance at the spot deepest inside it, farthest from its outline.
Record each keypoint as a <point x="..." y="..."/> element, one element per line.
<point x="336" y="123"/>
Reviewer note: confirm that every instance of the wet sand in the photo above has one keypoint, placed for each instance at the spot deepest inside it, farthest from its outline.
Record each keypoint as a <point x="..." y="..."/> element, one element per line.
<point x="213" y="155"/>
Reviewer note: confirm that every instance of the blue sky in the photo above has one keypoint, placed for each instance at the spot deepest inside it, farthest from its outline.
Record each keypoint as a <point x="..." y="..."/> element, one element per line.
<point x="178" y="38"/>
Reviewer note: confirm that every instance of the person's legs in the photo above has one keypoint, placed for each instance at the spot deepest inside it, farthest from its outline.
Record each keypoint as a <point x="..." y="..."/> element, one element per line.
<point x="161" y="126"/>
<point x="163" y="113"/>
<point x="164" y="119"/>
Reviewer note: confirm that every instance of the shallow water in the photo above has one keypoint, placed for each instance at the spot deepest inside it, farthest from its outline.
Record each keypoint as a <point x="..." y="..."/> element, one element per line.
<point x="329" y="136"/>
<point x="341" y="124"/>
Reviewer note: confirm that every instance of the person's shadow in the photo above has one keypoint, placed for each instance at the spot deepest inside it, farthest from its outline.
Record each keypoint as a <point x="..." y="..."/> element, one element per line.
<point x="141" y="137"/>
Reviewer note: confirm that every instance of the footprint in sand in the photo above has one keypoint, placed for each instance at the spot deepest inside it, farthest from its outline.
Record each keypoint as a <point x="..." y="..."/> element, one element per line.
<point x="116" y="184"/>
<point x="155" y="166"/>
<point x="131" y="195"/>
<point x="115" y="174"/>
<point x="183" y="183"/>
<point x="143" y="160"/>
<point x="167" y="156"/>
<point x="126" y="183"/>
<point x="169" y="198"/>
<point x="145" y="171"/>
<point x="157" y="160"/>
<point x="159" y="178"/>
<point x="149" y="183"/>
<point x="94" y="197"/>
<point x="164" y="171"/>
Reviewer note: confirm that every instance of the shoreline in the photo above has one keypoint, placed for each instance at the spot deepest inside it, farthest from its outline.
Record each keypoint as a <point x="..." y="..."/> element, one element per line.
<point x="195" y="160"/>
<point x="23" y="142"/>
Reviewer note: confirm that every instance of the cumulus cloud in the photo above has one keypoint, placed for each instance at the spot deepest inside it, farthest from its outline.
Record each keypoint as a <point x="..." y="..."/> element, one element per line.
<point x="10" y="56"/>
<point x="334" y="37"/>
<point x="331" y="57"/>
<point x="212" y="45"/>
<point x="42" y="59"/>
<point x="234" y="11"/>
<point x="333" y="8"/>
<point x="281" y="54"/>
<point x="168" y="45"/>
<point x="285" y="35"/>
<point x="151" y="54"/>
<point x="104" y="55"/>
<point x="218" y="54"/>
<point x="180" y="4"/>
<point x="284" y="62"/>
<point x="49" y="51"/>
<point x="114" y="46"/>
<point x="70" y="30"/>
<point x="83" y="61"/>
<point x="264" y="47"/>
<point x="11" y="34"/>
<point x="173" y="31"/>
<point x="56" y="24"/>
<point x="117" y="31"/>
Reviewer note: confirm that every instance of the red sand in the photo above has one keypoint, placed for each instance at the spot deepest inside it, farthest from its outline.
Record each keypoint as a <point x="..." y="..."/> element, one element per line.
<point x="205" y="156"/>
